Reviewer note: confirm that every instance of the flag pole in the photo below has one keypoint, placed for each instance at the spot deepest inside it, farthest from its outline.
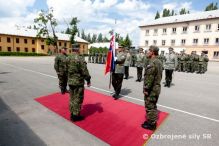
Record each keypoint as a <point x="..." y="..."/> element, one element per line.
<point x="110" y="81"/>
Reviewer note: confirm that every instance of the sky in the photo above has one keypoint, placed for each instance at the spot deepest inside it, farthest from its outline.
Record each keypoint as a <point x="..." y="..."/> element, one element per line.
<point x="96" y="16"/>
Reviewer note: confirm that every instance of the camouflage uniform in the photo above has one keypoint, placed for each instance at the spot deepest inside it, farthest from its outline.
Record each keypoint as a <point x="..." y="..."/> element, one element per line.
<point x="61" y="70"/>
<point x="161" y="57"/>
<point x="77" y="74"/>
<point x="152" y="79"/>
<point x="117" y="76"/>
<point x="205" y="63"/>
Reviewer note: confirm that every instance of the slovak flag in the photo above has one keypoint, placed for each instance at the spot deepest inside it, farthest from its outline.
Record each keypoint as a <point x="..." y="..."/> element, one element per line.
<point x="110" y="62"/>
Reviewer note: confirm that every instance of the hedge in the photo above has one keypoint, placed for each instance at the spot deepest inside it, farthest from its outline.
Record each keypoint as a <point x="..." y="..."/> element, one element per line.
<point x="21" y="54"/>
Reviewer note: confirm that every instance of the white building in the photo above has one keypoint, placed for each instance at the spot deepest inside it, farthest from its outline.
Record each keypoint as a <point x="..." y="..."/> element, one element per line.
<point x="190" y="32"/>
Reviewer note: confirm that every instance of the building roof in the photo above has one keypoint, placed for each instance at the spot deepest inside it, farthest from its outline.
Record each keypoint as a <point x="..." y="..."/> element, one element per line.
<point x="184" y="18"/>
<point x="32" y="33"/>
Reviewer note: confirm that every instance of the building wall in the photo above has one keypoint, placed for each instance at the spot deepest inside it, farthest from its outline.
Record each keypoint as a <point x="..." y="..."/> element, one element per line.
<point x="212" y="34"/>
<point x="31" y="44"/>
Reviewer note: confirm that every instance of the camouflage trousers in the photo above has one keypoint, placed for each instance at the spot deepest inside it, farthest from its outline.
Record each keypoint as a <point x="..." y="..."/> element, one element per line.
<point x="63" y="79"/>
<point x="151" y="108"/>
<point x="76" y="99"/>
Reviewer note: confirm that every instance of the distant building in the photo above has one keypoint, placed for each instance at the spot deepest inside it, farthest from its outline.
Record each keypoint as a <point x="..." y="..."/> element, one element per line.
<point x="25" y="40"/>
<point x="190" y="32"/>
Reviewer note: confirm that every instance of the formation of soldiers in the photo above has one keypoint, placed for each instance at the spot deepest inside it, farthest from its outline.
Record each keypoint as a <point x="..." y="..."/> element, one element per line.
<point x="99" y="58"/>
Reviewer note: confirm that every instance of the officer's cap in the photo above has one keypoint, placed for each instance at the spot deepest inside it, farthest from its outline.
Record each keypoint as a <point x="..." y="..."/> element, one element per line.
<point x="154" y="49"/>
<point x="170" y="48"/>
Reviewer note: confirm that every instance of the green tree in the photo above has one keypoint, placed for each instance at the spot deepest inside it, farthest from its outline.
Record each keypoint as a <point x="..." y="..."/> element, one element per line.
<point x="183" y="11"/>
<point x="100" y="38"/>
<point x="127" y="42"/>
<point x="45" y="24"/>
<point x="83" y="35"/>
<point x="157" y="15"/>
<point x="211" y="7"/>
<point x="94" y="38"/>
<point x="166" y="13"/>
<point x="68" y="31"/>
<point x="89" y="38"/>
<point x="105" y="39"/>
<point x="73" y="29"/>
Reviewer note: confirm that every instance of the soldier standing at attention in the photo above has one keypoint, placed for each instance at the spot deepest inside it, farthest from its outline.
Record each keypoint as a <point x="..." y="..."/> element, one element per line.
<point x="77" y="74"/>
<point x="162" y="57"/>
<point x="169" y="66"/>
<point x="61" y="68"/>
<point x="117" y="76"/>
<point x="127" y="64"/>
<point x="139" y="64"/>
<point x="152" y="88"/>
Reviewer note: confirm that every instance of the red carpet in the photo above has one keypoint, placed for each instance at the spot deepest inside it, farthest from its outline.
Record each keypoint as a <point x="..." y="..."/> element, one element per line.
<point x="118" y="123"/>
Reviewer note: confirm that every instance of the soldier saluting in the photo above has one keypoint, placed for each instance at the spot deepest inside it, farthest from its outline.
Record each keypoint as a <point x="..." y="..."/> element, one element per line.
<point x="77" y="74"/>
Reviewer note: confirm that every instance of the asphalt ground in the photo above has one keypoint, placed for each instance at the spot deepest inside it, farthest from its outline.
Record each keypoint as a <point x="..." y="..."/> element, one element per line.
<point x="192" y="103"/>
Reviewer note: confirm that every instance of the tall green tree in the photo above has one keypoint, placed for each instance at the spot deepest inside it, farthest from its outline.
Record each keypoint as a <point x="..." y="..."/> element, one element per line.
<point x="211" y="7"/>
<point x="45" y="24"/>
<point x="127" y="41"/>
<point x="73" y="29"/>
<point x="183" y="11"/>
<point x="157" y="15"/>
<point x="105" y="39"/>
<point x="89" y="38"/>
<point x="83" y="35"/>
<point x="94" y="38"/>
<point x="100" y="38"/>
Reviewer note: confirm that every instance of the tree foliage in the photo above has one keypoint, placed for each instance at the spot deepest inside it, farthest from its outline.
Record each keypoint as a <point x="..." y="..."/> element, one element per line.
<point x="211" y="7"/>
<point x="157" y="15"/>
<point x="45" y="24"/>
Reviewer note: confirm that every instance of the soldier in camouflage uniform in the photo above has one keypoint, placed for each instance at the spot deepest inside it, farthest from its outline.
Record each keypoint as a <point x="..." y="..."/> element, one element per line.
<point x="61" y="69"/>
<point x="196" y="62"/>
<point x="205" y="63"/>
<point x="182" y="63"/>
<point x="77" y="74"/>
<point x="152" y="88"/>
<point x="117" y="76"/>
<point x="127" y="64"/>
<point x="139" y="64"/>
<point x="201" y="64"/>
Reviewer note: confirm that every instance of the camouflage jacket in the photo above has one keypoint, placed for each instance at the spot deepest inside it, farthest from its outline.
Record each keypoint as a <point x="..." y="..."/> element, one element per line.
<point x="61" y="64"/>
<point x="121" y="56"/>
<point x="77" y="70"/>
<point x="152" y="77"/>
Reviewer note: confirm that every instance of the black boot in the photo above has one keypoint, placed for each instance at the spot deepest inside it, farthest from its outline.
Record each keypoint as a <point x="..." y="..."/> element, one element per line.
<point x="150" y="126"/>
<point x="75" y="118"/>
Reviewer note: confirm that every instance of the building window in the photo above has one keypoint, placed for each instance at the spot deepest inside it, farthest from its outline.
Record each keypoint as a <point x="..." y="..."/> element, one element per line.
<point x="217" y="41"/>
<point x="164" y="31"/>
<point x="185" y="29"/>
<point x="146" y="43"/>
<point x="33" y="42"/>
<point x="206" y="40"/>
<point x="172" y="42"/>
<point x="208" y="27"/>
<point x="197" y="28"/>
<point x="18" y="49"/>
<point x="183" y="41"/>
<point x="163" y="42"/>
<point x="65" y="44"/>
<point x="8" y="39"/>
<point x="9" y="49"/>
<point x="155" y="42"/>
<point x="195" y="41"/>
<point x="216" y="54"/>
<point x="217" y="29"/>
<point x="60" y="43"/>
<point x="174" y="30"/>
<point x="42" y="47"/>
<point x="25" y="41"/>
<point x="42" y="40"/>
<point x="155" y="31"/>
<point x="17" y="40"/>
<point x="33" y="50"/>
<point x="147" y="32"/>
<point x="0" y="39"/>
<point x="0" y="48"/>
<point x="26" y="49"/>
